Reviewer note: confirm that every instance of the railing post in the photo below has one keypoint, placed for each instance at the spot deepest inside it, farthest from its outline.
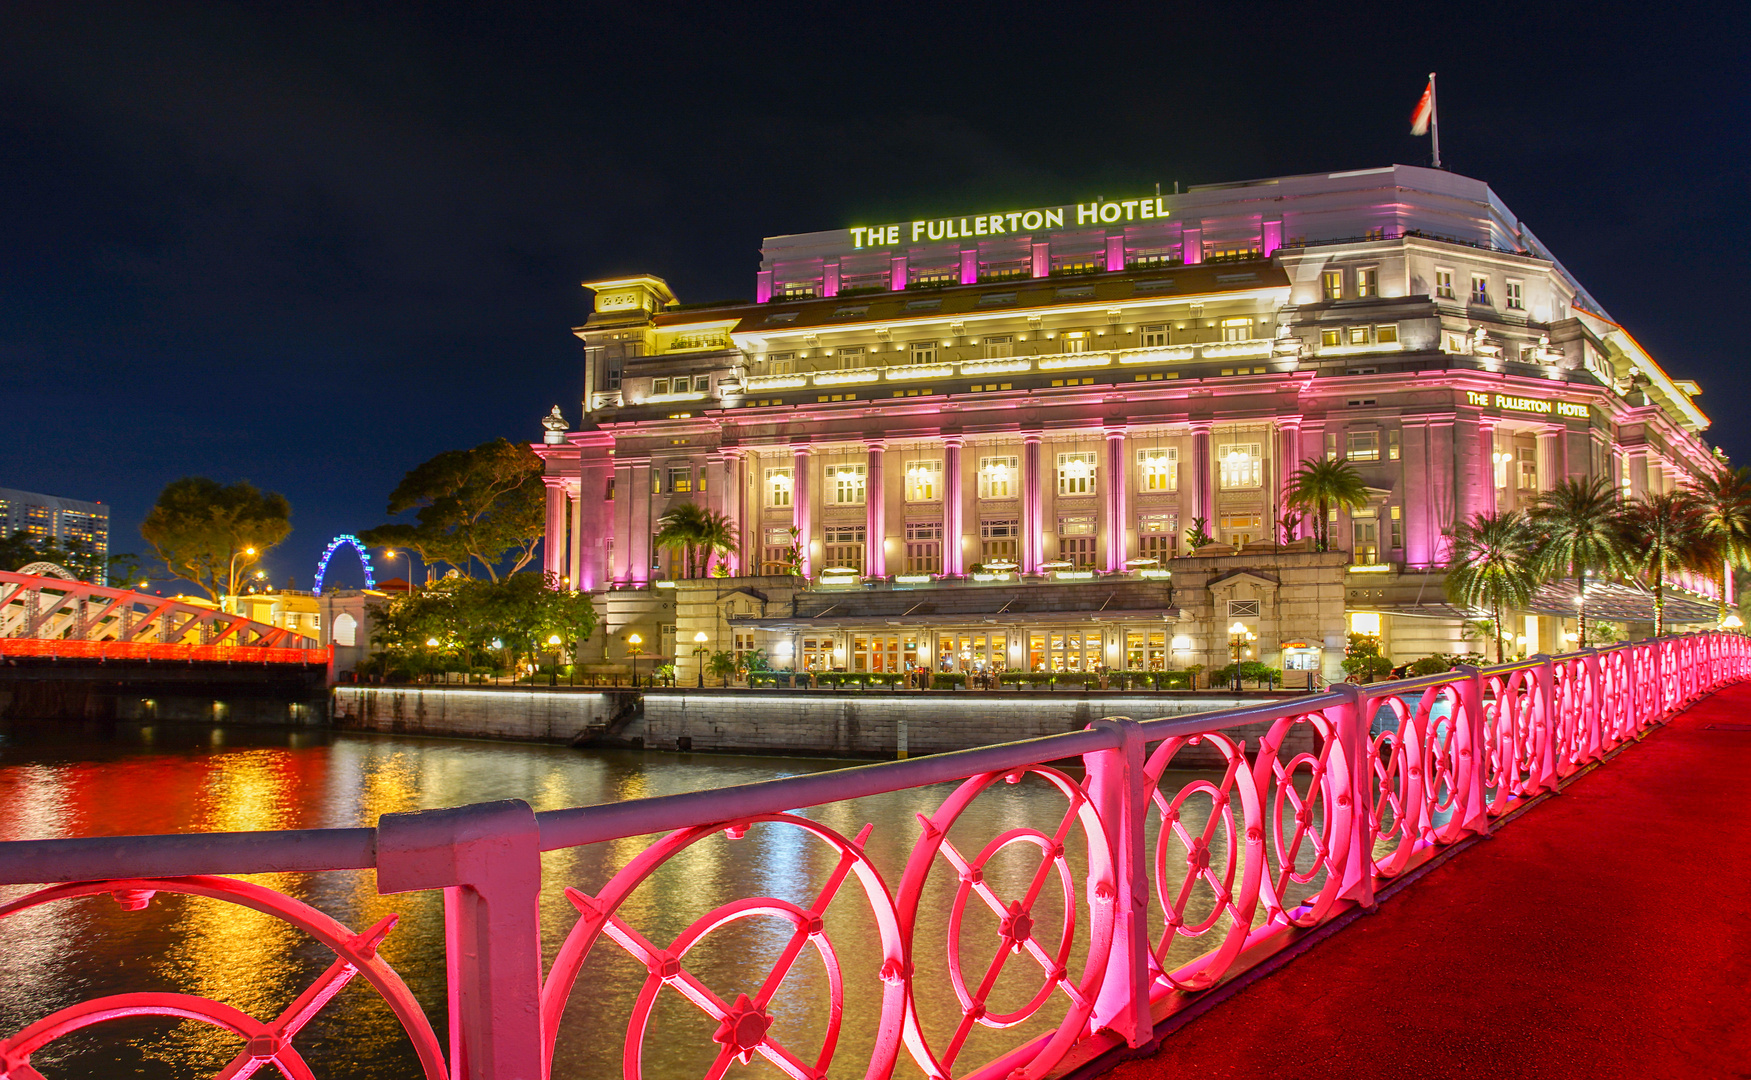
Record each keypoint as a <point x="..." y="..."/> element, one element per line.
<point x="1548" y="719"/>
<point x="1119" y="788"/>
<point x="487" y="859"/>
<point x="1352" y="724"/>
<point x="1474" y="751"/>
<point x="1593" y="702"/>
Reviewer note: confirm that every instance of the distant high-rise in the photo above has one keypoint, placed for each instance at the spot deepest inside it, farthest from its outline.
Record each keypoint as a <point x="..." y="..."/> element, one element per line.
<point x="73" y="524"/>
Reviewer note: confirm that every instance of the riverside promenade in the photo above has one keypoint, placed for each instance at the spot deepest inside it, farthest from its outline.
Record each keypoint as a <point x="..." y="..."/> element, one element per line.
<point x="1605" y="931"/>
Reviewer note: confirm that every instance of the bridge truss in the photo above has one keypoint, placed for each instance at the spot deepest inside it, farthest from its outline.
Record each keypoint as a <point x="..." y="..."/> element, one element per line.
<point x="53" y="617"/>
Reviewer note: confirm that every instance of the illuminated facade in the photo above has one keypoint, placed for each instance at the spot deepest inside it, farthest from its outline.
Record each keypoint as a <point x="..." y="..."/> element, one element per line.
<point x="979" y="424"/>
<point x="72" y="524"/>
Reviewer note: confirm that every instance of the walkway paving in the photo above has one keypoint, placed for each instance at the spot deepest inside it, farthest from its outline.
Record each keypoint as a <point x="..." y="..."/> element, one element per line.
<point x="1604" y="933"/>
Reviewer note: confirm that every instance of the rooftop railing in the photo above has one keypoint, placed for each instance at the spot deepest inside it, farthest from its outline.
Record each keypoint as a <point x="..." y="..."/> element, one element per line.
<point x="1067" y="934"/>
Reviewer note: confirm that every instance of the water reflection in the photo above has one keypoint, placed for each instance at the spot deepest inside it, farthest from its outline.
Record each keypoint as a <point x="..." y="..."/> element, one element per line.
<point x="77" y="780"/>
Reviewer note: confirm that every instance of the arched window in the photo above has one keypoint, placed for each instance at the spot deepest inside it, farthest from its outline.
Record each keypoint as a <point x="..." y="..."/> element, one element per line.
<point x="345" y="629"/>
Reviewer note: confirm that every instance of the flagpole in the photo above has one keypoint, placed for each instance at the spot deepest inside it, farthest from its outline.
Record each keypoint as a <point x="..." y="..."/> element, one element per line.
<point x="1434" y="120"/>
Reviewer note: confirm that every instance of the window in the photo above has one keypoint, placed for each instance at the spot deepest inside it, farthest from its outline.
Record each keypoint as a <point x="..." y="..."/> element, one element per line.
<point x="1060" y="650"/>
<point x="998" y="477"/>
<point x="846" y="482"/>
<point x="924" y="352"/>
<point x="1362" y="445"/>
<point x="1331" y="445"/>
<point x="852" y="357"/>
<point x="817" y="654"/>
<point x="1080" y="525"/>
<point x="1145" y="650"/>
<point x="1480" y="289"/>
<point x="1528" y="458"/>
<point x="1242" y="466"/>
<point x="1078" y="551"/>
<point x="1076" y="473"/>
<point x="780" y="363"/>
<point x="1154" y="337"/>
<point x="1243" y="609"/>
<point x="608" y="491"/>
<point x="999" y="346"/>
<point x="778" y="486"/>
<point x="659" y="387"/>
<point x="1332" y="282"/>
<point x="1368" y="281"/>
<point x="1075" y="342"/>
<point x="1236" y="329"/>
<point x="1154" y="376"/>
<point x="1516" y="295"/>
<point x="998" y="540"/>
<point x="842" y="547"/>
<point x="1392" y="449"/>
<point x="1158" y="469"/>
<point x="680" y="480"/>
<point x="924" y="547"/>
<point x="1386" y="334"/>
<point x="1365" y="532"/>
<point x="1397" y="523"/>
<point x="1444" y="284"/>
<point x="789" y="291"/>
<point x="923" y="481"/>
<point x="775" y="552"/>
<point x="1158" y="536"/>
<point x="837" y="397"/>
<point x="1358" y="335"/>
<point x="1239" y="529"/>
<point x="1332" y="338"/>
<point x="744" y="644"/>
<point x="989" y="388"/>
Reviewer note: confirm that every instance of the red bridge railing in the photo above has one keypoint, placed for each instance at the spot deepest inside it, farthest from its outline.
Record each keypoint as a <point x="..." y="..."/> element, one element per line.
<point x="1329" y="798"/>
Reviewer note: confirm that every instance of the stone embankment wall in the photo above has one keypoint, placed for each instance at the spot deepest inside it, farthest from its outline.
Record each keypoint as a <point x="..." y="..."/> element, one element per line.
<point x="558" y="715"/>
<point x="867" y="723"/>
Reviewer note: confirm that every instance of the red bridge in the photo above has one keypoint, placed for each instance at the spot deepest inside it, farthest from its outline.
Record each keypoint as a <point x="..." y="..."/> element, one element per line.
<point x="1611" y="918"/>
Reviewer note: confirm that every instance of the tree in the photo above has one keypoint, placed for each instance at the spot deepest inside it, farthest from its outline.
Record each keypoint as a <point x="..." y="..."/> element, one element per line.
<point x="1319" y="487"/>
<point x="1725" y="496"/>
<point x="482" y="505"/>
<point x="518" y="615"/>
<point x="1289" y="523"/>
<point x="717" y="539"/>
<point x="210" y="534"/>
<point x="681" y="531"/>
<point x="1491" y="566"/>
<point x="722" y="665"/>
<point x="1666" y="533"/>
<point x="16" y="551"/>
<point x="1199" y="534"/>
<point x="1576" y="523"/>
<point x="1362" y="659"/>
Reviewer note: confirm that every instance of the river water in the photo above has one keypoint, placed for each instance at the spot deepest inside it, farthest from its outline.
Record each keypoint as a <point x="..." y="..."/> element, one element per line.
<point x="91" y="780"/>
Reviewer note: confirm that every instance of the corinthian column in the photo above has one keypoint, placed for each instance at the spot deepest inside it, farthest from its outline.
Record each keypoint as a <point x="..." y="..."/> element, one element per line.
<point x="951" y="506"/>
<point x="875" y="502"/>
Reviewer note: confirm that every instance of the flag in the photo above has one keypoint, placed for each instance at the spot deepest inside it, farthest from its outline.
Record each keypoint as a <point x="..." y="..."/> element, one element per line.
<point x="1424" y="111"/>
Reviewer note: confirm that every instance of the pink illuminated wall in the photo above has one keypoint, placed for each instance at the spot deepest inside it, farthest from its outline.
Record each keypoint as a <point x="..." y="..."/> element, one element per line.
<point x="1042" y="260"/>
<point x="970" y="266"/>
<point x="897" y="273"/>
<point x="1272" y="237"/>
<point x="1115" y="253"/>
<point x="830" y="280"/>
<point x="1193" y="250"/>
<point x="763" y="286"/>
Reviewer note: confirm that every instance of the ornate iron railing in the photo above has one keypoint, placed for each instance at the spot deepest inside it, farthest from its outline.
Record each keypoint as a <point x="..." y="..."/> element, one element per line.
<point x="1314" y="805"/>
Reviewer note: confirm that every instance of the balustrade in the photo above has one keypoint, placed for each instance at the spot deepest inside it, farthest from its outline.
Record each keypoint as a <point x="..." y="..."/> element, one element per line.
<point x="1148" y="885"/>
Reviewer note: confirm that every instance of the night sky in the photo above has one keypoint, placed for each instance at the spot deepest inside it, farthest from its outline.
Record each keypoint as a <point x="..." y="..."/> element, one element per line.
<point x="310" y="246"/>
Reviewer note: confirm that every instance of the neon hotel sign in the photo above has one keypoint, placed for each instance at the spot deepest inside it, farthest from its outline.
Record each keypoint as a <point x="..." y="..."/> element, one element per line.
<point x="1524" y="404"/>
<point x="1094" y="213"/>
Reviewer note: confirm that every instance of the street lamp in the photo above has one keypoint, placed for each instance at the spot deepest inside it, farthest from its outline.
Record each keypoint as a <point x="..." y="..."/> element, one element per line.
<point x="231" y="577"/>
<point x="407" y="560"/>
<point x="699" y="640"/>
<point x="634" y="645"/>
<point x="1238" y="638"/>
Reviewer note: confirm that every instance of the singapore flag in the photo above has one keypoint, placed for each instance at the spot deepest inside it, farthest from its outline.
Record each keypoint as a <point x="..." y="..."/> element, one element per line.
<point x="1425" y="110"/>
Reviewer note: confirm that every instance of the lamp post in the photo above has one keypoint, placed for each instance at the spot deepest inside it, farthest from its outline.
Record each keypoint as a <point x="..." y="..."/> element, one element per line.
<point x="699" y="640"/>
<point x="555" y="641"/>
<point x="231" y="578"/>
<point x="407" y="559"/>
<point x="634" y="646"/>
<point x="1238" y="638"/>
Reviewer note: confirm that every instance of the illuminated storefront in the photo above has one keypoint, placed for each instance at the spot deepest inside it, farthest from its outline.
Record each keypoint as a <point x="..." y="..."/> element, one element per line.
<point x="1102" y="394"/>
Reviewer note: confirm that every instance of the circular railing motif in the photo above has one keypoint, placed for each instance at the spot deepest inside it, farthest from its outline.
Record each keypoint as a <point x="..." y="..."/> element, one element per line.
<point x="1310" y="807"/>
<point x="266" y="1042"/>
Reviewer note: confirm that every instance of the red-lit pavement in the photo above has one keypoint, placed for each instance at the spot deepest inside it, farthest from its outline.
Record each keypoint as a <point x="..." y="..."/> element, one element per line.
<point x="1606" y="932"/>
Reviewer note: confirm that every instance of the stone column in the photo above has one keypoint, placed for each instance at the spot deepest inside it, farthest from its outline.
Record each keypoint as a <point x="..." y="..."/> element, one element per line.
<point x="731" y="490"/>
<point x="1549" y="455"/>
<point x="621" y="571"/>
<point x="1203" y="478"/>
<point x="554" y="542"/>
<point x="642" y="523"/>
<point x="1417" y="492"/>
<point x="875" y="503"/>
<point x="1032" y="490"/>
<point x="1443" y="501"/>
<point x="801" y="506"/>
<point x="574" y="562"/>
<point x="1117" y="550"/>
<point x="952" y="540"/>
<point x="1286" y="451"/>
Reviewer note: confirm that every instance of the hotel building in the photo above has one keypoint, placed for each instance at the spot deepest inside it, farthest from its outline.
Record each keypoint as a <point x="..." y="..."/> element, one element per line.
<point x="998" y="436"/>
<point x="70" y="524"/>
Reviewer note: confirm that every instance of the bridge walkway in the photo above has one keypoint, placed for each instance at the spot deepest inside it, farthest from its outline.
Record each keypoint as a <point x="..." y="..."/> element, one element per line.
<point x="1604" y="933"/>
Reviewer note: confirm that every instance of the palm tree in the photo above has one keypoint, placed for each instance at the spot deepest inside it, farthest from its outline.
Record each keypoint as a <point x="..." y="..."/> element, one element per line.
<point x="1318" y="487"/>
<point x="1491" y="565"/>
<point x="1725" y="495"/>
<point x="1576" y="523"/>
<point x="1664" y="533"/>
<point x="680" y="530"/>
<point x="716" y="537"/>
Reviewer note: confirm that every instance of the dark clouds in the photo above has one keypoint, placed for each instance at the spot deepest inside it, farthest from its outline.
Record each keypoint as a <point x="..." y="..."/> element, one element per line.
<point x="312" y="244"/>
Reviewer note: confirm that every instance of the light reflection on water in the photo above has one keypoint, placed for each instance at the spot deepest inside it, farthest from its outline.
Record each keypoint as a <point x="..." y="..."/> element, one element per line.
<point x="120" y="780"/>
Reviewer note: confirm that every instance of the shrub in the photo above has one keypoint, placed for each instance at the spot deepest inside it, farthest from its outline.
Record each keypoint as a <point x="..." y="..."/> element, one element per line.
<point x="947" y="680"/>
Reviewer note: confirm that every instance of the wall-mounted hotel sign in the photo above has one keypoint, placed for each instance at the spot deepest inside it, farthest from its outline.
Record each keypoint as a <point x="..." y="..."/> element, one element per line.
<point x="1544" y="406"/>
<point x="1054" y="217"/>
